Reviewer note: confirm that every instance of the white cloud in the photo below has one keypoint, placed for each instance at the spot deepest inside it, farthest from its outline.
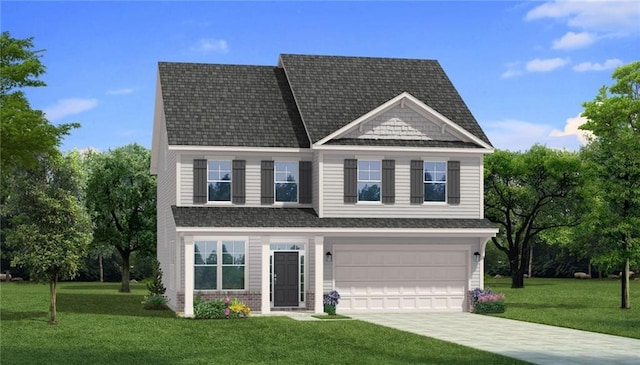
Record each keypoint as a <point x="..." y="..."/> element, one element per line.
<point x="516" y="135"/>
<point x="545" y="65"/>
<point x="513" y="70"/>
<point x="120" y="91"/>
<point x="609" y="64"/>
<point x="207" y="45"/>
<point x="571" y="129"/>
<point x="66" y="107"/>
<point x="621" y="17"/>
<point x="573" y="40"/>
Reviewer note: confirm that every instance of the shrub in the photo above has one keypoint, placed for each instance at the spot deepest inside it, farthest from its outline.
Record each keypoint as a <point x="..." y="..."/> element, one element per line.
<point x="220" y="309"/>
<point x="155" y="302"/>
<point x="485" y="301"/>
<point x="155" y="285"/>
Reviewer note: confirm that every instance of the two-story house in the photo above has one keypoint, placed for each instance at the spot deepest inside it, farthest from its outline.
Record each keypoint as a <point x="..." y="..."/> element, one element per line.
<point x="276" y="184"/>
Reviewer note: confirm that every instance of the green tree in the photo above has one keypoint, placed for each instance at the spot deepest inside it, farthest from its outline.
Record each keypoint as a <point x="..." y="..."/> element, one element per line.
<point x="527" y="193"/>
<point x="51" y="229"/>
<point x="614" y="119"/>
<point x="121" y="196"/>
<point x="26" y="133"/>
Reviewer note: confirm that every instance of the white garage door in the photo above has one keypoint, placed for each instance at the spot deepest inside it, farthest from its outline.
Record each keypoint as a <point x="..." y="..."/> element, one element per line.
<point x="401" y="278"/>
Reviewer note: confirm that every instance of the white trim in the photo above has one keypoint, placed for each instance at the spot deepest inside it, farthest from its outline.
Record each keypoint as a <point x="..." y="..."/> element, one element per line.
<point x="188" y="276"/>
<point x="318" y="306"/>
<point x="357" y="232"/>
<point x="265" y="303"/>
<point x="400" y="100"/>
<point x="178" y="177"/>
<point x="235" y="149"/>
<point x="321" y="184"/>
<point x="413" y="150"/>
<point x="481" y="187"/>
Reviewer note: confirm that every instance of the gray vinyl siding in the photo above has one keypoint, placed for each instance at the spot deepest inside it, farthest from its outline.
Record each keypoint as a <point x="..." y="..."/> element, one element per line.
<point x="470" y="183"/>
<point x="166" y="229"/>
<point x="252" y="176"/>
<point x="254" y="264"/>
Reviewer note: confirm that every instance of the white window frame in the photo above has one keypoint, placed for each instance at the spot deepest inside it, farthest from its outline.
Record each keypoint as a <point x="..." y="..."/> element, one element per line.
<point x="213" y="181"/>
<point x="379" y="181"/>
<point x="219" y="242"/>
<point x="276" y="181"/>
<point x="425" y="182"/>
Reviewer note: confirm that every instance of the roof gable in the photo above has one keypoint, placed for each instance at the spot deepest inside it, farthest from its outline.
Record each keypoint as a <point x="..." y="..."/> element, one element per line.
<point x="403" y="118"/>
<point x="333" y="91"/>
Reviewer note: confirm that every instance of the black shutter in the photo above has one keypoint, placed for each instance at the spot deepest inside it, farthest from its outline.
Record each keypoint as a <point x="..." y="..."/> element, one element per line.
<point x="453" y="182"/>
<point x="417" y="182"/>
<point x="388" y="181"/>
<point x="199" y="181"/>
<point x="266" y="182"/>
<point x="238" y="178"/>
<point x="350" y="180"/>
<point x="304" y="186"/>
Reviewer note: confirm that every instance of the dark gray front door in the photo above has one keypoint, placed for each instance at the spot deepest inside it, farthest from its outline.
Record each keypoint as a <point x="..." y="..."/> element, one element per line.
<point x="285" y="279"/>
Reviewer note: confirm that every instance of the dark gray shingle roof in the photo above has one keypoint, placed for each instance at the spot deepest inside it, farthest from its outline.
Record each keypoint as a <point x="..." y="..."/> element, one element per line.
<point x="332" y="91"/>
<point x="229" y="105"/>
<point x="235" y="217"/>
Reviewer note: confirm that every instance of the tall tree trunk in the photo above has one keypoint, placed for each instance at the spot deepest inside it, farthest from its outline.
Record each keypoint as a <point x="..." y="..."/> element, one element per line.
<point x="101" y="268"/>
<point x="625" y="304"/>
<point x="52" y="299"/>
<point x="124" y="287"/>
<point x="530" y="261"/>
<point x="517" y="271"/>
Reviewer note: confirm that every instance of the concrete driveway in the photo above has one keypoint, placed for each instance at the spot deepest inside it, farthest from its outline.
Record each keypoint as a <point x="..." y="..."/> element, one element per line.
<point x="535" y="343"/>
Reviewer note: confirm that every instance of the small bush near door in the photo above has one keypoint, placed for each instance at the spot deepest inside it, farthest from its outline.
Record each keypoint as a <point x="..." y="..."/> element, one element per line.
<point x="220" y="309"/>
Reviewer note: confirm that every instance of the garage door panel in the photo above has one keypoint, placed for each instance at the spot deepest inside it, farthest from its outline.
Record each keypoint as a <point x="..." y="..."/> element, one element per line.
<point x="407" y="278"/>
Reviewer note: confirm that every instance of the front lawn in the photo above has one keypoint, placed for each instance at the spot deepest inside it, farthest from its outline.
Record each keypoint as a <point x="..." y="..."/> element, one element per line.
<point x="586" y="304"/>
<point x="98" y="325"/>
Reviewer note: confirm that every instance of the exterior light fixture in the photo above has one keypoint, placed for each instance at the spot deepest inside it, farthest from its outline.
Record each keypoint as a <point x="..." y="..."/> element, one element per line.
<point x="328" y="256"/>
<point x="476" y="256"/>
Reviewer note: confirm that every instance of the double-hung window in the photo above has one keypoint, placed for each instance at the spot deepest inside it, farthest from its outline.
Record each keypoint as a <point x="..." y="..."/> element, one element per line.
<point x="369" y="180"/>
<point x="219" y="265"/>
<point x="286" y="182"/>
<point x="435" y="181"/>
<point x="219" y="180"/>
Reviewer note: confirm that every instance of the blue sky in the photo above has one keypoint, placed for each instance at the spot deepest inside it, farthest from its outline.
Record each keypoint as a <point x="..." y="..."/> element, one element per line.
<point x="524" y="68"/>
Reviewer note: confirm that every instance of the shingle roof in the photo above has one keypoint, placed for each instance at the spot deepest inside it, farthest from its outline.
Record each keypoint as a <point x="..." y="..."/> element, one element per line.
<point x="332" y="91"/>
<point x="229" y="105"/>
<point x="248" y="217"/>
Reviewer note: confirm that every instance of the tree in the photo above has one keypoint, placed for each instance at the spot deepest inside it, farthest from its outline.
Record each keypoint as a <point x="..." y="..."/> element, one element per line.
<point x="121" y="196"/>
<point x="51" y="229"/>
<point x="614" y="119"/>
<point x="527" y="193"/>
<point x="26" y="133"/>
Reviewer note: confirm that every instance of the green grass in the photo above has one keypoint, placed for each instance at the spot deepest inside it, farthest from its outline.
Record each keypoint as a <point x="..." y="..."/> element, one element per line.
<point x="590" y="305"/>
<point x="98" y="325"/>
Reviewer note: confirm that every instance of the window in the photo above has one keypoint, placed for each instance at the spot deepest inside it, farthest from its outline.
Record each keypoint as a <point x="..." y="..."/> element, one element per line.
<point x="435" y="181"/>
<point x="369" y="180"/>
<point x="219" y="265"/>
<point x="286" y="182"/>
<point x="219" y="181"/>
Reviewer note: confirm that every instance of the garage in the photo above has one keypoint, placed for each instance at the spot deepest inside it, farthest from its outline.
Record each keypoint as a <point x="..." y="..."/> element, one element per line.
<point x="401" y="278"/>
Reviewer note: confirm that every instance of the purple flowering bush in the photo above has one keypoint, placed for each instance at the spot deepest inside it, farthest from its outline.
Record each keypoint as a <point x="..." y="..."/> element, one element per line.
<point x="330" y="301"/>
<point x="220" y="309"/>
<point x="486" y="301"/>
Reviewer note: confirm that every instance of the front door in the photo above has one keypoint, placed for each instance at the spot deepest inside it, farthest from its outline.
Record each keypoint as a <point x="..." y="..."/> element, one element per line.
<point x="285" y="279"/>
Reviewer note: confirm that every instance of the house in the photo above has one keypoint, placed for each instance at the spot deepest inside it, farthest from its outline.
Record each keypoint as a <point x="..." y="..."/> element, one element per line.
<point x="276" y="184"/>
